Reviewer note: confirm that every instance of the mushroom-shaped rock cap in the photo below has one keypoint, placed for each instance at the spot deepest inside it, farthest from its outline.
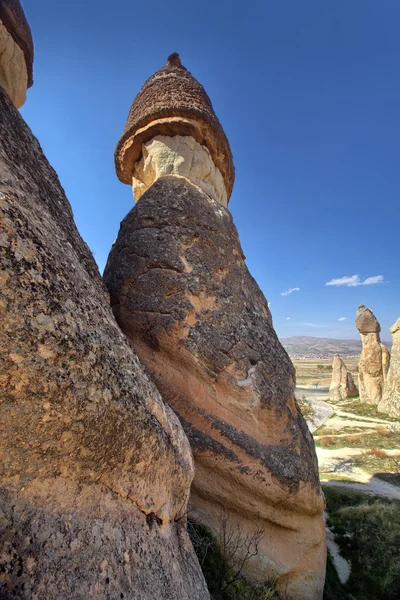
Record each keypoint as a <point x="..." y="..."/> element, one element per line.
<point x="172" y="102"/>
<point x="14" y="20"/>
<point x="366" y="321"/>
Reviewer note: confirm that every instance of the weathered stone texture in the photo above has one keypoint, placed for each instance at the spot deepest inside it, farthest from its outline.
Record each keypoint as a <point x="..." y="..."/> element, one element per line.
<point x="182" y="293"/>
<point x="16" y="51"/>
<point x="373" y="361"/>
<point x="178" y="156"/>
<point x="342" y="384"/>
<point x="390" y="403"/>
<point x="14" y="20"/>
<point x="95" y="468"/>
<point x="172" y="102"/>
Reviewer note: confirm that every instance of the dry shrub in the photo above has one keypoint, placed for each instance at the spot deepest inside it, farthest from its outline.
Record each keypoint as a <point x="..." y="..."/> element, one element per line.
<point x="377" y="452"/>
<point x="355" y="438"/>
<point x="381" y="430"/>
<point x="327" y="440"/>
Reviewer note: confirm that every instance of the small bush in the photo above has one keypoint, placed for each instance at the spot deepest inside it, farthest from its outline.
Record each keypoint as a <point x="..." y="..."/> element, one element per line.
<point x="327" y="440"/>
<point x="307" y="409"/>
<point x="224" y="582"/>
<point x="378" y="452"/>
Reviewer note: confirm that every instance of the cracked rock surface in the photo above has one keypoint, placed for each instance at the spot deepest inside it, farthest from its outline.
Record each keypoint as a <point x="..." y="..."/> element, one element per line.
<point x="95" y="469"/>
<point x="182" y="293"/>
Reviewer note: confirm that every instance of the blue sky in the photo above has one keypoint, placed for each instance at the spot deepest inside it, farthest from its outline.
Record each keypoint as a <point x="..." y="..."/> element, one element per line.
<point x="308" y="94"/>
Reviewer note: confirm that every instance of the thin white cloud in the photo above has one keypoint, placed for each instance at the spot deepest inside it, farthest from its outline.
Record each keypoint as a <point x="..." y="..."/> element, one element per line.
<point x="269" y="304"/>
<point x="355" y="280"/>
<point x="288" y="318"/>
<point x="314" y="325"/>
<point x="289" y="291"/>
<point x="342" y="319"/>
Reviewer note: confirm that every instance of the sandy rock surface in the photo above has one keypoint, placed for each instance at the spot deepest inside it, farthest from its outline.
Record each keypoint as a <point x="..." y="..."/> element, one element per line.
<point x="13" y="71"/>
<point x="390" y="403"/>
<point x="373" y="361"/>
<point x="95" y="468"/>
<point x="182" y="293"/>
<point x="342" y="384"/>
<point x="179" y="156"/>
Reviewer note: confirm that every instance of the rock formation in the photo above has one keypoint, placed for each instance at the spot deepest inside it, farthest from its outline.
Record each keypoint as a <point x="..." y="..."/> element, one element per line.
<point x="16" y="51"/>
<point x="342" y="384"/>
<point x="390" y="402"/>
<point x="374" y="358"/>
<point x="182" y="293"/>
<point x="95" y="469"/>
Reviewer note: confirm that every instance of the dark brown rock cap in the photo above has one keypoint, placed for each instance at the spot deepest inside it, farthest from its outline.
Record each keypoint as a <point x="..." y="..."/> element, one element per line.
<point x="14" y="20"/>
<point x="172" y="102"/>
<point x="366" y="322"/>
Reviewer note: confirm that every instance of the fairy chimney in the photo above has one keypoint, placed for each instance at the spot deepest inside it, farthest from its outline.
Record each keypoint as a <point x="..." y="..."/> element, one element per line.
<point x="16" y="52"/>
<point x="172" y="130"/>
<point x="374" y="358"/>
<point x="181" y="292"/>
<point x="342" y="384"/>
<point x="390" y="402"/>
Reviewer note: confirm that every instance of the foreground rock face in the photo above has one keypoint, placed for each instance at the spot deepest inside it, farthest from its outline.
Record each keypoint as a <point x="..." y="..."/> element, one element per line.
<point x="182" y="293"/>
<point x="16" y="51"/>
<point x="390" y="403"/>
<point x="374" y="359"/>
<point x="95" y="468"/>
<point x="342" y="384"/>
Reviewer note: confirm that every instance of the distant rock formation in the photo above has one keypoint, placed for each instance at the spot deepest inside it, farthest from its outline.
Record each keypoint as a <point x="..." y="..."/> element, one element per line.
<point x="342" y="384"/>
<point x="16" y="51"/>
<point x="390" y="403"/>
<point x="95" y="469"/>
<point x="182" y="293"/>
<point x="374" y="358"/>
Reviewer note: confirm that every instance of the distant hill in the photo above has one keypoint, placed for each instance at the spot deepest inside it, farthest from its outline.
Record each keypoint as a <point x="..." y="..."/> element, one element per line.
<point x="316" y="347"/>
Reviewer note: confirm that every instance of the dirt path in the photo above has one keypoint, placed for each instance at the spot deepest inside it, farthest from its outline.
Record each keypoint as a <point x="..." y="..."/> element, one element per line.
<point x="373" y="486"/>
<point x="342" y="566"/>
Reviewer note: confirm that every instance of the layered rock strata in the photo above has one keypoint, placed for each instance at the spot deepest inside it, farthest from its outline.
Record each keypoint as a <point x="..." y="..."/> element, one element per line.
<point x="95" y="468"/>
<point x="342" y="384"/>
<point x="16" y="51"/>
<point x="374" y="358"/>
<point x="390" y="402"/>
<point x="181" y="292"/>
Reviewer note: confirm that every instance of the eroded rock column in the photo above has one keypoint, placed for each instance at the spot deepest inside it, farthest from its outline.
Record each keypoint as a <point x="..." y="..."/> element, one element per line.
<point x="342" y="384"/>
<point x="374" y="359"/>
<point x="390" y="403"/>
<point x="182" y="293"/>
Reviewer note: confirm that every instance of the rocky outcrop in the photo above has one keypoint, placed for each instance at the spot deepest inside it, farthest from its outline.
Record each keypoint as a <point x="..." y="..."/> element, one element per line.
<point x="181" y="292"/>
<point x="95" y="468"/>
<point x="390" y="402"/>
<point x="374" y="358"/>
<point x="16" y="51"/>
<point x="342" y="384"/>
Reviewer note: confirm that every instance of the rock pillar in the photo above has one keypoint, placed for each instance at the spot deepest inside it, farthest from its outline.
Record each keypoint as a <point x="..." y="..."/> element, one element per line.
<point x="374" y="360"/>
<point x="390" y="403"/>
<point x="342" y="384"/>
<point x="182" y="293"/>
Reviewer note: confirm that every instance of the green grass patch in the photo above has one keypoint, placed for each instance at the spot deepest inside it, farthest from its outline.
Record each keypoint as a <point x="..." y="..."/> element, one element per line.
<point x="367" y="530"/>
<point x="354" y="405"/>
